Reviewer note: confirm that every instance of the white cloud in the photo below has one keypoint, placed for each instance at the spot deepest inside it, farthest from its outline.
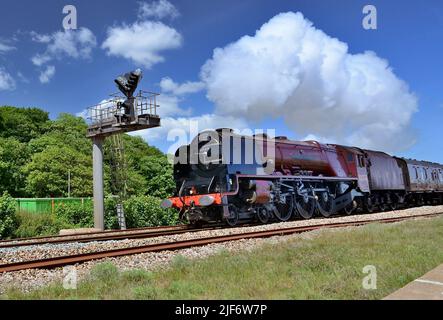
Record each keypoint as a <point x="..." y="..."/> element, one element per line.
<point x="5" y="48"/>
<point x="169" y="106"/>
<point x="47" y="74"/>
<point x="141" y="42"/>
<point x="22" y="77"/>
<point x="168" y="85"/>
<point x="7" y="82"/>
<point x="76" y="44"/>
<point x="188" y="127"/>
<point x="41" y="38"/>
<point x="104" y="109"/>
<point x="157" y="9"/>
<point x="292" y="70"/>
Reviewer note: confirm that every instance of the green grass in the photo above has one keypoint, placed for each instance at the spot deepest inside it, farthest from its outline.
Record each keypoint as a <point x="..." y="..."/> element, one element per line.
<point x="325" y="266"/>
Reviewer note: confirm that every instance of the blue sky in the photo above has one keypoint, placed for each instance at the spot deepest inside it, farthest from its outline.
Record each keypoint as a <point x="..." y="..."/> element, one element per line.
<point x="409" y="37"/>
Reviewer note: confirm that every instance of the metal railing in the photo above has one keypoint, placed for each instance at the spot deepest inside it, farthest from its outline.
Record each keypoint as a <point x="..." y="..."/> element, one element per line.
<point x="145" y="103"/>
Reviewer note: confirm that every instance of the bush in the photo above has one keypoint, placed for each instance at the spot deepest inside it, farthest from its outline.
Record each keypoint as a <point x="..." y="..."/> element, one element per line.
<point x="76" y="214"/>
<point x="145" y="211"/>
<point x="111" y="221"/>
<point x="41" y="224"/>
<point x="8" y="220"/>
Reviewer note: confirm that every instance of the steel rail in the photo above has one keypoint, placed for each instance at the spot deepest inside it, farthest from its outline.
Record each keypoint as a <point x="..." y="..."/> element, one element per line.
<point x="79" y="258"/>
<point x="151" y="233"/>
<point x="134" y="235"/>
<point x="86" y="234"/>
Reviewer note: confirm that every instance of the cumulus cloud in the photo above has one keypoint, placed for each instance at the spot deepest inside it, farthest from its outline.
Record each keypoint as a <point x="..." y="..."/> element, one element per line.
<point x="47" y="74"/>
<point x="292" y="70"/>
<point x="76" y="44"/>
<point x="142" y="42"/>
<point x="169" y="85"/>
<point x="170" y="106"/>
<point x="157" y="10"/>
<point x="7" y="82"/>
<point x="185" y="128"/>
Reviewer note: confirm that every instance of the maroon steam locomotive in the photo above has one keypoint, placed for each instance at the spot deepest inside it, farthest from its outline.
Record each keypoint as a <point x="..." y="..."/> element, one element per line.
<point x="218" y="180"/>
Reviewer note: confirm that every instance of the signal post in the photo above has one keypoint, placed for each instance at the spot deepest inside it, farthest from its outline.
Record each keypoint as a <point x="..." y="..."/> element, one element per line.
<point x="118" y="115"/>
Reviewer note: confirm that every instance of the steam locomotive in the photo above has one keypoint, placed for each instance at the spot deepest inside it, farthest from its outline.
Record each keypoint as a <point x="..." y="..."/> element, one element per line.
<point x="224" y="176"/>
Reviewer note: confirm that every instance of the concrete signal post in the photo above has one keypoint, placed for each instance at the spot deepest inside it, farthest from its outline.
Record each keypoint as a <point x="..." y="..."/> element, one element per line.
<point x="119" y="114"/>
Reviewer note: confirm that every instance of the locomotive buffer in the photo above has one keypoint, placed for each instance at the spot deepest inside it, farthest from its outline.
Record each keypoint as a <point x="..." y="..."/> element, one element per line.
<point x="115" y="116"/>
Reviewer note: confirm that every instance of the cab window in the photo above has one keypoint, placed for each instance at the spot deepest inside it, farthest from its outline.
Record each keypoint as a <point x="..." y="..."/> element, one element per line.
<point x="361" y="161"/>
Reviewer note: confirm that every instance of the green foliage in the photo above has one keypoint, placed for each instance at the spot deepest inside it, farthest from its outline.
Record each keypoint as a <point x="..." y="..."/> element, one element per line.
<point x="36" y="155"/>
<point x="66" y="130"/>
<point x="8" y="221"/>
<point x="42" y="224"/>
<point x="2" y="122"/>
<point x="158" y="173"/>
<point x="77" y="214"/>
<point x="47" y="173"/>
<point x="23" y="124"/>
<point x="13" y="156"/>
<point x="145" y="211"/>
<point x="111" y="221"/>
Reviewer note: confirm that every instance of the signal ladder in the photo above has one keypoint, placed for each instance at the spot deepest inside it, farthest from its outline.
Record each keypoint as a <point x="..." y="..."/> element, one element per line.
<point x="119" y="176"/>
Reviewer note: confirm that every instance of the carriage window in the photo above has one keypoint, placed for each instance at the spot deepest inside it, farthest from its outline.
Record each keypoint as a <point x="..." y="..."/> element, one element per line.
<point x="416" y="173"/>
<point x="425" y="174"/>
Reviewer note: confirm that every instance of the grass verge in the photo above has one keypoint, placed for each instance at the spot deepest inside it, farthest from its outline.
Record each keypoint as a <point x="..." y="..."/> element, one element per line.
<point x="325" y="266"/>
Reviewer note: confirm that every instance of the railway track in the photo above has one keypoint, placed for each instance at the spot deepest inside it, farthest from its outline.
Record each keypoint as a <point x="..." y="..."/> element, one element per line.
<point x="18" y="242"/>
<point x="80" y="258"/>
<point x="141" y="233"/>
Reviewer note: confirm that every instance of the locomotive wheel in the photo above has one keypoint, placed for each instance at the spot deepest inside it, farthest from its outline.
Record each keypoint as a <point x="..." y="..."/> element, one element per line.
<point x="283" y="210"/>
<point x="325" y="204"/>
<point x="421" y="201"/>
<point x="263" y="215"/>
<point x="305" y="206"/>
<point x="232" y="220"/>
<point x="349" y="209"/>
<point x="369" y="205"/>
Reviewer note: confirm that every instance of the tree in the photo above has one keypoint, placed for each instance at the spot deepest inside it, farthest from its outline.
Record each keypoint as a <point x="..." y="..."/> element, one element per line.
<point x="2" y="123"/>
<point x="66" y="130"/>
<point x="148" y="172"/>
<point x="37" y="153"/>
<point x="47" y="173"/>
<point x="13" y="156"/>
<point x="8" y="220"/>
<point x="158" y="174"/>
<point x="23" y="124"/>
<point x="152" y="165"/>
